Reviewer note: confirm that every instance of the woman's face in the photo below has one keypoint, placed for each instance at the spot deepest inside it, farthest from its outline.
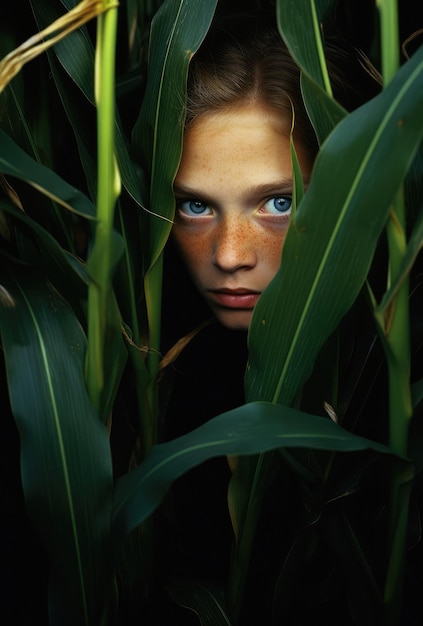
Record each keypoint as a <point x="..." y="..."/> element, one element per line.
<point x="233" y="195"/>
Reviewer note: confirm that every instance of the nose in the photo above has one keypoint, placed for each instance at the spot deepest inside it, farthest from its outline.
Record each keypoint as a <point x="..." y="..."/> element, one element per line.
<point x="233" y="247"/>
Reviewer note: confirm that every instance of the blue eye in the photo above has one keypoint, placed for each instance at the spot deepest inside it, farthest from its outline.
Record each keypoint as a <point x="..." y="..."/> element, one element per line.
<point x="280" y="205"/>
<point x="193" y="208"/>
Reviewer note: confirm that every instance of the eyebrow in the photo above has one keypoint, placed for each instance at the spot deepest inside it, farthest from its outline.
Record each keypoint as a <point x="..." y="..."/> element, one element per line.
<point x="278" y="187"/>
<point x="265" y="189"/>
<point x="184" y="190"/>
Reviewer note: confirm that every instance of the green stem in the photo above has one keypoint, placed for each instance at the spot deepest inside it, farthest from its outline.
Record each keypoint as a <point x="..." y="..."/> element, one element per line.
<point x="100" y="261"/>
<point x="401" y="485"/>
<point x="396" y="330"/>
<point x="396" y="333"/>
<point x="388" y="11"/>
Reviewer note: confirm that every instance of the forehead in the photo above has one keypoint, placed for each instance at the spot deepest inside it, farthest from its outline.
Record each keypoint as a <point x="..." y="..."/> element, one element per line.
<point x="239" y="119"/>
<point x="238" y="143"/>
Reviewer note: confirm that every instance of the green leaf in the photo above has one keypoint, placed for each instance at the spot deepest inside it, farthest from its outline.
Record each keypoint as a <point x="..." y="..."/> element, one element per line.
<point x="65" y="453"/>
<point x="297" y="20"/>
<point x="323" y="111"/>
<point x="327" y="254"/>
<point x="249" y="429"/>
<point x="15" y="162"/>
<point x="299" y="25"/>
<point x="75" y="53"/>
<point x="65" y="270"/>
<point x="177" y="30"/>
<point x="356" y="175"/>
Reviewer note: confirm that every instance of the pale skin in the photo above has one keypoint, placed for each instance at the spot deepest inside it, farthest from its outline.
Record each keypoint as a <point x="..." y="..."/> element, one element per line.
<point x="233" y="193"/>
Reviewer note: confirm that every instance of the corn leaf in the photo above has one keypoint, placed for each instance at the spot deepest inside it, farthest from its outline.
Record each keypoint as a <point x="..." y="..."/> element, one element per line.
<point x="75" y="53"/>
<point x="65" y="454"/>
<point x="177" y="30"/>
<point x="249" y="429"/>
<point x="16" y="162"/>
<point x="326" y="258"/>
<point x="61" y="263"/>
<point x="355" y="178"/>
<point x="300" y="27"/>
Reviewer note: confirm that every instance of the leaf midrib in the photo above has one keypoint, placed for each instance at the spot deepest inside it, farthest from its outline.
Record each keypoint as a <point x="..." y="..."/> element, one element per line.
<point x="390" y="112"/>
<point x="59" y="434"/>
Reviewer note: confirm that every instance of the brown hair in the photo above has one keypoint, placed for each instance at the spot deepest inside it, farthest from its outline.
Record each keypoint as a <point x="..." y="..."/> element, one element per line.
<point x="243" y="59"/>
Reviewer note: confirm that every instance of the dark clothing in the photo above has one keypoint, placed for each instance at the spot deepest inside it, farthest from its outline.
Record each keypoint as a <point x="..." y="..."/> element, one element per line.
<point x="197" y="506"/>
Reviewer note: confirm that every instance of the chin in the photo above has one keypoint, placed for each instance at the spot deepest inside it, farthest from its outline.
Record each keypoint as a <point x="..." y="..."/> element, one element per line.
<point x="234" y="320"/>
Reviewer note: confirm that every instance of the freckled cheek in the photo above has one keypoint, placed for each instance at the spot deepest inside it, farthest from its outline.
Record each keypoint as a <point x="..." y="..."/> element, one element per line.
<point x="197" y="248"/>
<point x="270" y="246"/>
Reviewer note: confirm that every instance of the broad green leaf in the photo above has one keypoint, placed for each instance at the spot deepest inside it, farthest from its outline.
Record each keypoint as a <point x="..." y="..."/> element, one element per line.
<point x="322" y="110"/>
<point x="71" y="278"/>
<point x="17" y="122"/>
<point x="75" y="50"/>
<point x="356" y="175"/>
<point x="249" y="429"/>
<point x="15" y="162"/>
<point x="177" y="30"/>
<point x="75" y="53"/>
<point x="298" y="190"/>
<point x="65" y="453"/>
<point x="299" y="24"/>
<point x="69" y="271"/>
<point x="328" y="251"/>
<point x="300" y="27"/>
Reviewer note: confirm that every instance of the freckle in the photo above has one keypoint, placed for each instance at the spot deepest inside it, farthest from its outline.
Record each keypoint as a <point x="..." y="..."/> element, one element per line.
<point x="263" y="322"/>
<point x="400" y="123"/>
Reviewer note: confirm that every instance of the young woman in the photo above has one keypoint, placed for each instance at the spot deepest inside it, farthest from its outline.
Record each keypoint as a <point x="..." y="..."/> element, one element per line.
<point x="234" y="185"/>
<point x="233" y="195"/>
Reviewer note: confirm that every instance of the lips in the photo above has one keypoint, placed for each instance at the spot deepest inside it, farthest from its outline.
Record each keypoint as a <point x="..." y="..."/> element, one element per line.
<point x="234" y="298"/>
